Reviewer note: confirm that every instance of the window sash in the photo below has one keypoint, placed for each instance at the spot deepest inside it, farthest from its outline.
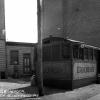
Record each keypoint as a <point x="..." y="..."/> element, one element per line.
<point x="14" y="59"/>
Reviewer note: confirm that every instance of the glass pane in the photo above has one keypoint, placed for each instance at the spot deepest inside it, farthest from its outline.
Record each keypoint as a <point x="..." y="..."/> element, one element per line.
<point x="75" y="52"/>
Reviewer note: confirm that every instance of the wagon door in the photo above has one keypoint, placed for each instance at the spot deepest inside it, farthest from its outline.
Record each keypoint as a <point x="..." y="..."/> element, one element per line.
<point x="27" y="63"/>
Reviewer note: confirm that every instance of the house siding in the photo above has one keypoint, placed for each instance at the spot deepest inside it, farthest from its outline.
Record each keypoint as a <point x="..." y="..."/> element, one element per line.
<point x="2" y="56"/>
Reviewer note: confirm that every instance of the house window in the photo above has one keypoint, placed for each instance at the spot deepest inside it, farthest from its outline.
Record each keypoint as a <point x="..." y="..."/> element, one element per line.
<point x="14" y="57"/>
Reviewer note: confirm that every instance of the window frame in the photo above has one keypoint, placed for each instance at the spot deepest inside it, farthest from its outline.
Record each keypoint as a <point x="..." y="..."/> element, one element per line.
<point x="14" y="59"/>
<point x="81" y="53"/>
<point x="75" y="49"/>
<point x="66" y="51"/>
<point x="86" y="53"/>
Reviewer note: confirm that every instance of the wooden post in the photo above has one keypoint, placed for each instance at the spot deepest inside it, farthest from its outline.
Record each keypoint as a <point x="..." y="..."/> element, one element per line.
<point x="39" y="70"/>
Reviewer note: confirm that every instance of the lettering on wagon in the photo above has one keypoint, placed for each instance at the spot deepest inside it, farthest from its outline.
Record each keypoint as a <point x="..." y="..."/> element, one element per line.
<point x="85" y="69"/>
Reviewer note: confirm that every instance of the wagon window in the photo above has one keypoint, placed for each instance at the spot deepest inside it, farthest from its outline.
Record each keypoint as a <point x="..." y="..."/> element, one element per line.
<point x="75" y="52"/>
<point x="91" y="54"/>
<point x="96" y="54"/>
<point x="14" y="57"/>
<point x="81" y="53"/>
<point x="66" y="51"/>
<point x="86" y="55"/>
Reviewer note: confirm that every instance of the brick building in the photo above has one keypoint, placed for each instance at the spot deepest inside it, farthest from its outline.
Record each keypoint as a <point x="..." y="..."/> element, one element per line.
<point x="76" y="19"/>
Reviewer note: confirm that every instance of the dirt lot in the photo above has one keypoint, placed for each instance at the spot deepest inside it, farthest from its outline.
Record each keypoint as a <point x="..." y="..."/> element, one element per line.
<point x="16" y="88"/>
<point x="20" y="89"/>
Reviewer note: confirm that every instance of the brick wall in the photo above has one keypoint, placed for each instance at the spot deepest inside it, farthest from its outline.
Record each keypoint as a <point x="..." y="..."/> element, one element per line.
<point x="76" y="19"/>
<point x="82" y="20"/>
<point x="52" y="22"/>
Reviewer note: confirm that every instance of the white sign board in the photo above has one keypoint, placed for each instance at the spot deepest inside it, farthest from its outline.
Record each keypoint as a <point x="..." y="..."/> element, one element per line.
<point x="83" y="70"/>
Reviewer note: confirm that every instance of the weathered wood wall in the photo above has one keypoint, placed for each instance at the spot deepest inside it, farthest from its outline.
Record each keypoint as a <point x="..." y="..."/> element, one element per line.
<point x="21" y="50"/>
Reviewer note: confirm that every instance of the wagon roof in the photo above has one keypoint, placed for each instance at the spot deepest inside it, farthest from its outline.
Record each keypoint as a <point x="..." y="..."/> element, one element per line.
<point x="83" y="43"/>
<point x="51" y="38"/>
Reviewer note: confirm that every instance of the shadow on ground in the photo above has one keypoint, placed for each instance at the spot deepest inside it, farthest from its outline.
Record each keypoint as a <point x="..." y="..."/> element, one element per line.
<point x="34" y="90"/>
<point x="12" y="80"/>
<point x="52" y="90"/>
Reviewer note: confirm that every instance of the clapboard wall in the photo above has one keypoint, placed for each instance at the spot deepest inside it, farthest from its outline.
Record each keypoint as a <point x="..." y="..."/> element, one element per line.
<point x="2" y="56"/>
<point x="2" y="41"/>
<point x="21" y="48"/>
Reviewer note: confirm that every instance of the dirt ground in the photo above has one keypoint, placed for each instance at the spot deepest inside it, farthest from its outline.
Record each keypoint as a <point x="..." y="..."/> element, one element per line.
<point x="17" y="88"/>
<point x="21" y="89"/>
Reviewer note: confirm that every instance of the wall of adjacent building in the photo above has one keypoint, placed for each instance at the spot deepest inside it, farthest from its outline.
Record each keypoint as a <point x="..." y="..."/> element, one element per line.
<point x="2" y="56"/>
<point x="52" y="18"/>
<point x="2" y="19"/>
<point x="2" y="40"/>
<point x="75" y="19"/>
<point x="82" y="20"/>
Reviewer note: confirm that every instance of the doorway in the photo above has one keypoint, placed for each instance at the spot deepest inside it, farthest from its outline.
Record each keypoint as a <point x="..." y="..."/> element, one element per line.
<point x="26" y="63"/>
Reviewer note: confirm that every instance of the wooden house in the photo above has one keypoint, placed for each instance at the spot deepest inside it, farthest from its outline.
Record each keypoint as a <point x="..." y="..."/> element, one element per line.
<point x="20" y="58"/>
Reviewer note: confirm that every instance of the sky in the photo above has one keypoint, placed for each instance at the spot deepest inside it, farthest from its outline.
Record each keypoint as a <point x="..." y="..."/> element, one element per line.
<point x="21" y="20"/>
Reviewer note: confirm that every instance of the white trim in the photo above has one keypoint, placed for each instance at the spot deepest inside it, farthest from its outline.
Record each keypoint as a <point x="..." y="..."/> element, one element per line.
<point x="85" y="45"/>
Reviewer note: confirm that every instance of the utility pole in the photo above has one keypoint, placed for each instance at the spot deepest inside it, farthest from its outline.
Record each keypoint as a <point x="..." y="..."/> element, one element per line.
<point x="39" y="69"/>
